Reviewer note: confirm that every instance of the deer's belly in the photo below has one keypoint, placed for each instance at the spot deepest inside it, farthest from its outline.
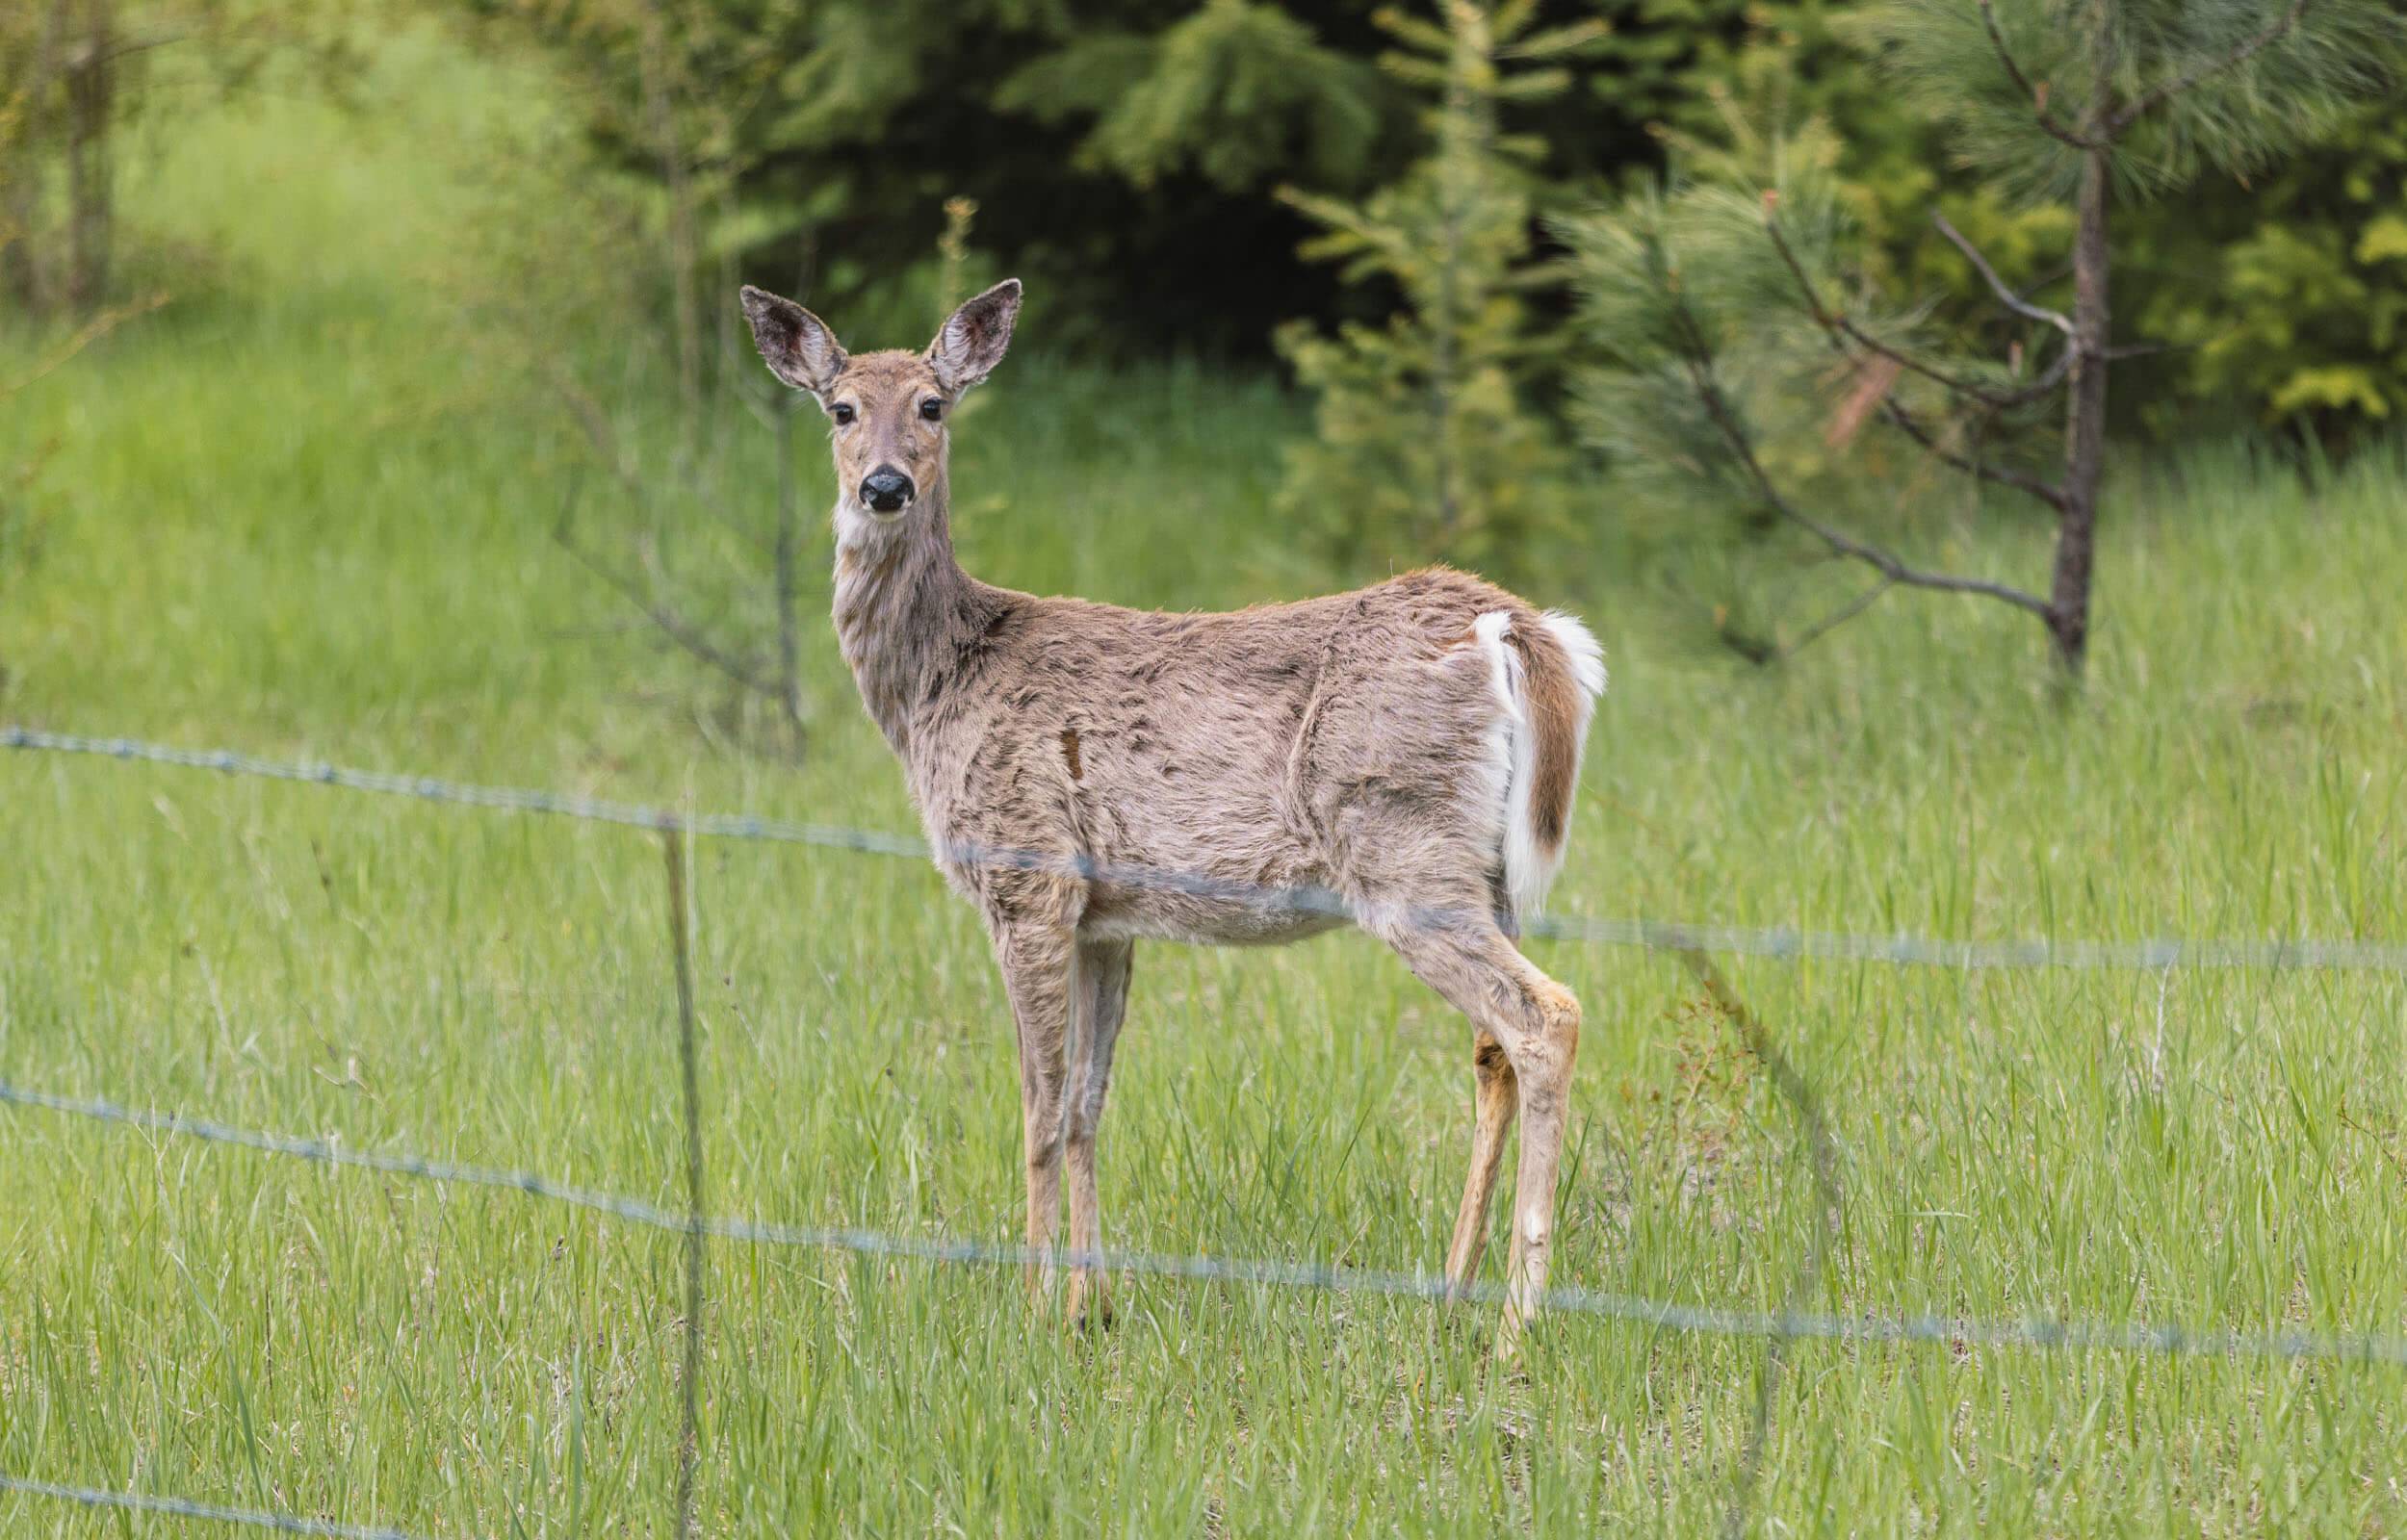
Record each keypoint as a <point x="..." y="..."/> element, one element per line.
<point x="1261" y="917"/>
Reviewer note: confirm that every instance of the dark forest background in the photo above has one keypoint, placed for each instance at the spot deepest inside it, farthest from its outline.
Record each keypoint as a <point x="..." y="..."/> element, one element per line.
<point x="1128" y="158"/>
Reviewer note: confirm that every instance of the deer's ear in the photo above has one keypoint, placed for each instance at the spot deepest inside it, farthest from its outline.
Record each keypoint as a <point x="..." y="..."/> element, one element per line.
<point x="972" y="340"/>
<point x="797" y="344"/>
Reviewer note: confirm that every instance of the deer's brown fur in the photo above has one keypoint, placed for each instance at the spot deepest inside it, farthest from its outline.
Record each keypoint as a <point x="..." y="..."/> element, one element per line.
<point x="1558" y="715"/>
<point x="1411" y="747"/>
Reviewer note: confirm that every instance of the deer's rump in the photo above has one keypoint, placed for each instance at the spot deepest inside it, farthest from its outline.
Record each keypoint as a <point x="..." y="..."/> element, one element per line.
<point x="1418" y="736"/>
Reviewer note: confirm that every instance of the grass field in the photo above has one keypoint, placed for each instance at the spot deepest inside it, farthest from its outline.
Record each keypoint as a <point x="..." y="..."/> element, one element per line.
<point x="292" y="513"/>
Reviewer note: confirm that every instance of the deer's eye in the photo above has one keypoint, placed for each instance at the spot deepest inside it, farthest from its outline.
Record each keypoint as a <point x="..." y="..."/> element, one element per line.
<point x="933" y="409"/>
<point x="843" y="412"/>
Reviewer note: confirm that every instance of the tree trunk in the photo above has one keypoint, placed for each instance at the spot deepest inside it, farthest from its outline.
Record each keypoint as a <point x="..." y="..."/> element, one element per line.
<point x="2085" y="429"/>
<point x="19" y="256"/>
<point x="19" y="181"/>
<point x="788" y="550"/>
<point x="660" y="122"/>
<point x="92" y="101"/>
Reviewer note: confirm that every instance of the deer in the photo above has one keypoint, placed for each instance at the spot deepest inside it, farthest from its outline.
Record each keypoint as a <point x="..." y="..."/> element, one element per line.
<point x="1410" y="750"/>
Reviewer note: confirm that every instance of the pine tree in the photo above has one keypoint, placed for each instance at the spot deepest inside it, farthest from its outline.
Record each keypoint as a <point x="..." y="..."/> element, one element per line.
<point x="1425" y="443"/>
<point x="1702" y="289"/>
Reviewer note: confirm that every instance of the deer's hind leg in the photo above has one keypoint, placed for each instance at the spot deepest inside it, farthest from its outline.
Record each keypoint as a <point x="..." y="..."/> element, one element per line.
<point x="1456" y="948"/>
<point x="1099" y="1000"/>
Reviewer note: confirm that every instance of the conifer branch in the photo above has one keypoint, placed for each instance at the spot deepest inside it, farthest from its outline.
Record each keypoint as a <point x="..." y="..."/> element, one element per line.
<point x="1838" y="323"/>
<point x="2239" y="54"/>
<point x="2036" y="94"/>
<point x="1839" y="330"/>
<point x="1698" y="358"/>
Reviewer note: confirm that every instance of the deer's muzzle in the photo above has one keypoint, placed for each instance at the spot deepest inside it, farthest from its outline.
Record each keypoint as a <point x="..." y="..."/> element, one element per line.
<point x="885" y="490"/>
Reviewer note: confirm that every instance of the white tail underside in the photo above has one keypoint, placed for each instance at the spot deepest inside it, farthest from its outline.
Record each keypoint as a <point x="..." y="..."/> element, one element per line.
<point x="1529" y="866"/>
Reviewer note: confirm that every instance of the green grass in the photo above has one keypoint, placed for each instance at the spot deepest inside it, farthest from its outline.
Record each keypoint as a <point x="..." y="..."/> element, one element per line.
<point x="305" y="510"/>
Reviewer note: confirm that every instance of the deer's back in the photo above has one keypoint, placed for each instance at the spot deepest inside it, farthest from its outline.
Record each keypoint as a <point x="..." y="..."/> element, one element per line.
<point x="1264" y="747"/>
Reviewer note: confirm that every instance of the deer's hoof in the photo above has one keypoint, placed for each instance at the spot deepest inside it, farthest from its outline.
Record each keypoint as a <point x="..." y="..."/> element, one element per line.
<point x="1090" y="1310"/>
<point x="1508" y="1330"/>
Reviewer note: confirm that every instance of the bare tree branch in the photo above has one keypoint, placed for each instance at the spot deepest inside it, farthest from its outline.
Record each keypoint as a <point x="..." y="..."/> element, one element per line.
<point x="1763" y="654"/>
<point x="604" y="439"/>
<point x="2149" y="101"/>
<point x="1837" y="321"/>
<point x="1915" y="365"/>
<point x="737" y="364"/>
<point x="2054" y="276"/>
<point x="1997" y="285"/>
<point x="1747" y="645"/>
<point x="1905" y="422"/>
<point x="2046" y="381"/>
<point x="91" y="332"/>
<point x="2041" y="384"/>
<point x="599" y="433"/>
<point x="1839" y="330"/>
<point x="1835" y="619"/>
<point x="646" y="599"/>
<point x="2038" y="96"/>
<point x="2151" y="350"/>
<point x="778" y="679"/>
<point x="786" y="565"/>
<point x="89" y="57"/>
<point x="1698" y="361"/>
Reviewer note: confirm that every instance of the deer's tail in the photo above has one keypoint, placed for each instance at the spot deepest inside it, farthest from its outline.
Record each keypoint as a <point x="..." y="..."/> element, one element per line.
<point x="1549" y="672"/>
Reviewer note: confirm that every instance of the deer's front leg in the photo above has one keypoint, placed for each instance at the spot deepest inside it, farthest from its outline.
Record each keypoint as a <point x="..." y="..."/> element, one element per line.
<point x="1495" y="1100"/>
<point x="1100" y="994"/>
<point x="1037" y="963"/>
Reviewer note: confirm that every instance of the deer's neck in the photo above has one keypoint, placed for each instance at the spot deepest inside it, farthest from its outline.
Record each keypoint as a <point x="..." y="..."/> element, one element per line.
<point x="905" y="608"/>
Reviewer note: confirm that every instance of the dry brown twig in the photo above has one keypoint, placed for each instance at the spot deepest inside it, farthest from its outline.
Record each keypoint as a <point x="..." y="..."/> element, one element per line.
<point x="88" y="333"/>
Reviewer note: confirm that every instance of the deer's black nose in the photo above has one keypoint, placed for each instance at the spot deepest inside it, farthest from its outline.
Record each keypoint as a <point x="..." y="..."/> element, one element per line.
<point x="886" y="489"/>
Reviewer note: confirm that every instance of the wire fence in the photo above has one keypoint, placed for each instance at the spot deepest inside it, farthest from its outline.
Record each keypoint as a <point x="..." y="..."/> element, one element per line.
<point x="1954" y="1331"/>
<point x="183" y="1508"/>
<point x="1775" y="942"/>
<point x="1773" y="1328"/>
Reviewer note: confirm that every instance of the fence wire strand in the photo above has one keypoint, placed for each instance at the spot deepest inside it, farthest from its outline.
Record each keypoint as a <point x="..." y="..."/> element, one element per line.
<point x="1777" y="942"/>
<point x="1956" y="1332"/>
<point x="184" y="1508"/>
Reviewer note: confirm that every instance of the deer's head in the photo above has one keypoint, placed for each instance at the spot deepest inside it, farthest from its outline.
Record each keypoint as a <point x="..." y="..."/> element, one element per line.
<point x="887" y="412"/>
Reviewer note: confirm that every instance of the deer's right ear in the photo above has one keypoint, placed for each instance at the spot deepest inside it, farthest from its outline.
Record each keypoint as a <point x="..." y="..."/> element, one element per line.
<point x="797" y="344"/>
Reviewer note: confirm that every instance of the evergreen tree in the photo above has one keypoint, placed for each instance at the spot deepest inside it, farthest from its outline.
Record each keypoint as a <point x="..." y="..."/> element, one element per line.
<point x="1702" y="291"/>
<point x="1424" y="443"/>
<point x="2287" y="293"/>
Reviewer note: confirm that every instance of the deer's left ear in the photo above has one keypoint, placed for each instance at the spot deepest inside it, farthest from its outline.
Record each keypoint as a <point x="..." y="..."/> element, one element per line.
<point x="972" y="340"/>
